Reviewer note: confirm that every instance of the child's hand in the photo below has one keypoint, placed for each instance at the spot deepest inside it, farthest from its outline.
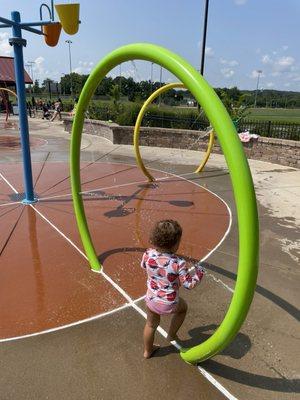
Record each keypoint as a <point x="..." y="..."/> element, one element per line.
<point x="200" y="268"/>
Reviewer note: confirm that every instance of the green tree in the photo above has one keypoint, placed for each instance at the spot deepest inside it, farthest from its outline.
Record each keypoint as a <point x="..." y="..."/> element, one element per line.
<point x="36" y="87"/>
<point x="115" y="94"/>
<point x="105" y="87"/>
<point x="236" y="108"/>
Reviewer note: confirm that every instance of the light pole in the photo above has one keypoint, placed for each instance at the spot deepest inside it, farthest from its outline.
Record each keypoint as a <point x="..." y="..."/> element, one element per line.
<point x="70" y="63"/>
<point x="204" y="41"/>
<point x="120" y="80"/>
<point x="29" y="64"/>
<point x="204" y="37"/>
<point x="259" y="71"/>
<point x="160" y="83"/>
<point x="62" y="85"/>
<point x="151" y="74"/>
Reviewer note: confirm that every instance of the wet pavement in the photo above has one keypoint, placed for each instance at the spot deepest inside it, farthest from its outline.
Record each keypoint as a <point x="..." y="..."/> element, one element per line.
<point x="46" y="283"/>
<point x="119" y="219"/>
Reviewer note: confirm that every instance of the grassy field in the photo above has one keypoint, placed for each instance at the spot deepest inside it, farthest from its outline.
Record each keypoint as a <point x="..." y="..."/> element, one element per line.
<point x="289" y="115"/>
<point x="275" y="114"/>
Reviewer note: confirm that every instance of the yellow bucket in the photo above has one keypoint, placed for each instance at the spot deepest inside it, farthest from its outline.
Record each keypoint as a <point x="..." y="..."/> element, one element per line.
<point x="68" y="15"/>
<point x="52" y="33"/>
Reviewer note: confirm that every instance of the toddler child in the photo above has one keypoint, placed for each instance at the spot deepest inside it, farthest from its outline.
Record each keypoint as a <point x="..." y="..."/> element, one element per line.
<point x="166" y="273"/>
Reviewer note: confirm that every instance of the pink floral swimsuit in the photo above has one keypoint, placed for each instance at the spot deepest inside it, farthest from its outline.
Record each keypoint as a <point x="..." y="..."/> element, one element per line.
<point x="166" y="273"/>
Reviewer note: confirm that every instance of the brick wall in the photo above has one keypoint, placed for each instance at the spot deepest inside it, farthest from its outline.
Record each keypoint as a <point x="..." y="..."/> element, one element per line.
<point x="279" y="151"/>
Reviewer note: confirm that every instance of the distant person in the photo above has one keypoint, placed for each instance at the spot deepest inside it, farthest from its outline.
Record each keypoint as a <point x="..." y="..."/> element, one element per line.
<point x="61" y="104"/>
<point x="166" y="272"/>
<point x="33" y="102"/>
<point x="46" y="113"/>
<point x="57" y="110"/>
<point x="29" y="108"/>
<point x="40" y="104"/>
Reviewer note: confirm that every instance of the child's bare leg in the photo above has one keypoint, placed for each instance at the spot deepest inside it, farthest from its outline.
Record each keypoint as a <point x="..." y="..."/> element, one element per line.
<point x="152" y="323"/>
<point x="177" y="319"/>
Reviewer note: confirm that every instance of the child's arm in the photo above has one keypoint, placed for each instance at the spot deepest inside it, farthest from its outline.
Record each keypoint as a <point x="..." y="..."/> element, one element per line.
<point x="186" y="279"/>
<point x="144" y="259"/>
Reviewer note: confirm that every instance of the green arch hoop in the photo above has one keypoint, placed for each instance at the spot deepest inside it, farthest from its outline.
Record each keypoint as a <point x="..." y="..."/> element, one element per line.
<point x="238" y="168"/>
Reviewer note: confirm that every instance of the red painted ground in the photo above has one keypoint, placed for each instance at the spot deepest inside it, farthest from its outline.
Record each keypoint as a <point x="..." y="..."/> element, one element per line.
<point x="45" y="282"/>
<point x="9" y="142"/>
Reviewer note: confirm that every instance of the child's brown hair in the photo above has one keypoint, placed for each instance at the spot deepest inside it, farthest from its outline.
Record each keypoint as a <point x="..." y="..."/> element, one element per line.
<point x="166" y="234"/>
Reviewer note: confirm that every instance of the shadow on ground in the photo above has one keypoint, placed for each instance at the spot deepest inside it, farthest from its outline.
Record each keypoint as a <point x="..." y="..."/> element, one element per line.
<point x="238" y="347"/>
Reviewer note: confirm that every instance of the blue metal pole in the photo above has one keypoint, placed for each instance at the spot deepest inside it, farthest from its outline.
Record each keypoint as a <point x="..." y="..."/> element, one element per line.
<point x="18" y="42"/>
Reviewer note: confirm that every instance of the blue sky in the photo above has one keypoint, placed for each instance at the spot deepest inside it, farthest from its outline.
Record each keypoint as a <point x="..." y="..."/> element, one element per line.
<point x="243" y="36"/>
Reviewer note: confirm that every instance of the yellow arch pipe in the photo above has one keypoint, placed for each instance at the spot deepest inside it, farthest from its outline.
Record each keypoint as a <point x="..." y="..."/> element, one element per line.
<point x="8" y="90"/>
<point x="136" y="134"/>
<point x="208" y="151"/>
<point x="11" y="92"/>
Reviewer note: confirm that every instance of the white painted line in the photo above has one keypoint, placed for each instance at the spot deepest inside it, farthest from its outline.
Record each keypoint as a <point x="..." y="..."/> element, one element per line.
<point x="117" y="287"/>
<point x="130" y="303"/>
<point x="116" y="186"/>
<point x="139" y="299"/>
<point x="171" y="175"/>
<point x="5" y="180"/>
<point x="10" y="204"/>
<point x="59" y="328"/>
<point x="59" y="231"/>
<point x="216" y="384"/>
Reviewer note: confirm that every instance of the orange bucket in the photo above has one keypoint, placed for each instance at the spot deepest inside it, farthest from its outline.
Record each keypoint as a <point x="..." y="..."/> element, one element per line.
<point x="68" y="15"/>
<point x="52" y="33"/>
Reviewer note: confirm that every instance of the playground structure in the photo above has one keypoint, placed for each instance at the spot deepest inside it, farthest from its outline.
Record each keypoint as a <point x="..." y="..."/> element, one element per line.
<point x="136" y="133"/>
<point x="239" y="171"/>
<point x="69" y="19"/>
<point x="83" y="329"/>
<point x="221" y="123"/>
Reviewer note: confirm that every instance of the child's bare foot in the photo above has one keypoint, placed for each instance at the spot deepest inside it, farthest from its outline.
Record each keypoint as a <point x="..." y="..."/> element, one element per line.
<point x="148" y="354"/>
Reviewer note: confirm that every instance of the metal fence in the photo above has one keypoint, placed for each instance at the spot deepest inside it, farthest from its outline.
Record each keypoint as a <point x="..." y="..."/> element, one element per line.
<point x="166" y="121"/>
<point x="275" y="129"/>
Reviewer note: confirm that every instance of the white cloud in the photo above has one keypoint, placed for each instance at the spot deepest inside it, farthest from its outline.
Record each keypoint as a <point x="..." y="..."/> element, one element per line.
<point x="84" y="67"/>
<point x="126" y="73"/>
<point x="40" y="72"/>
<point x="254" y="74"/>
<point x="277" y="65"/>
<point x="231" y="63"/>
<point x="39" y="69"/>
<point x="209" y="52"/>
<point x="270" y="84"/>
<point x="129" y="73"/>
<point x="240" y="2"/>
<point x="266" y="59"/>
<point x="284" y="63"/>
<point x="78" y="70"/>
<point x="5" y="48"/>
<point x="227" y="72"/>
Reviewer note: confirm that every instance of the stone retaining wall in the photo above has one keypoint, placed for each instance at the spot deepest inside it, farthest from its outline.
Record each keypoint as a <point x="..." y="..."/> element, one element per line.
<point x="279" y="151"/>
